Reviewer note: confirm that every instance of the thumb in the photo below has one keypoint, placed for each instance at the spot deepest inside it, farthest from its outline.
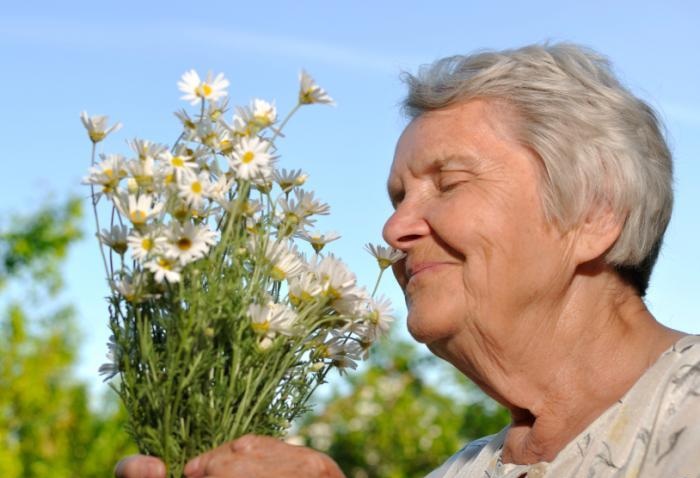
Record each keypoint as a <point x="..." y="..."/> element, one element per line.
<point x="140" y="466"/>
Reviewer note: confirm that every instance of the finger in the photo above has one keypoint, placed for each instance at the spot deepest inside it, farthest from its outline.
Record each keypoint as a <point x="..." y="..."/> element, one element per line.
<point x="199" y="466"/>
<point x="250" y="443"/>
<point x="140" y="466"/>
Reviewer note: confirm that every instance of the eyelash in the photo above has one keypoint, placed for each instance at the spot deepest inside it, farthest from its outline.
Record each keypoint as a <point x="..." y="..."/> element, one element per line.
<point x="446" y="186"/>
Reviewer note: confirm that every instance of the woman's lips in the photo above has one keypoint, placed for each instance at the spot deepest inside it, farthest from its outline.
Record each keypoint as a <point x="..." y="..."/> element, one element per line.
<point x="423" y="267"/>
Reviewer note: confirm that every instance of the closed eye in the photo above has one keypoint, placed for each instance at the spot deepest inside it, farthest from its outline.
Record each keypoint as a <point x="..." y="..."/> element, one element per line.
<point x="449" y="180"/>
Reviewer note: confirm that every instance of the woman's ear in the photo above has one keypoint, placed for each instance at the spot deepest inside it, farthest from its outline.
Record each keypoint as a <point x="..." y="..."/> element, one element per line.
<point x="597" y="234"/>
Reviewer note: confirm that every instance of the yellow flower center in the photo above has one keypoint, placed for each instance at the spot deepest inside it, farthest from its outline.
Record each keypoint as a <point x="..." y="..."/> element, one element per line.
<point x="120" y="247"/>
<point x="373" y="317"/>
<point x="203" y="90"/>
<point x="108" y="172"/>
<point x="165" y="263"/>
<point x="277" y="274"/>
<point x="263" y="120"/>
<point x="177" y="161"/>
<point x="143" y="180"/>
<point x="210" y="139"/>
<point x="97" y="136"/>
<point x="332" y="293"/>
<point x="181" y="213"/>
<point x="146" y="244"/>
<point x="196" y="187"/>
<point x="226" y="146"/>
<point x="383" y="263"/>
<point x="247" y="157"/>
<point x="137" y="216"/>
<point x="260" y="327"/>
<point x="184" y="243"/>
<point x="306" y="97"/>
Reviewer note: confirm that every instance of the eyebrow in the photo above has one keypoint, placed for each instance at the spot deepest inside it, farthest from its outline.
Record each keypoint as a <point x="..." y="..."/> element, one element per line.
<point x="460" y="158"/>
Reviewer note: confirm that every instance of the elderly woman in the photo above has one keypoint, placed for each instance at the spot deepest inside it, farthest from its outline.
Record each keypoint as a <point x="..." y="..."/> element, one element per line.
<point x="531" y="194"/>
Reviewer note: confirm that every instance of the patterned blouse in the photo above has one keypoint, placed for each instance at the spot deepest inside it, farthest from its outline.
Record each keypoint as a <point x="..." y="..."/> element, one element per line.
<point x="652" y="432"/>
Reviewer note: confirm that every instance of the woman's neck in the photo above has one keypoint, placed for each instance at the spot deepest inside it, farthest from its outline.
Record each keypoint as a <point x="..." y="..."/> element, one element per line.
<point x="558" y="380"/>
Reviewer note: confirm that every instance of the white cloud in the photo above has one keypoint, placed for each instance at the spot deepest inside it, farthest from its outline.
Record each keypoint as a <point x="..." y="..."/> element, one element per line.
<point x="173" y="35"/>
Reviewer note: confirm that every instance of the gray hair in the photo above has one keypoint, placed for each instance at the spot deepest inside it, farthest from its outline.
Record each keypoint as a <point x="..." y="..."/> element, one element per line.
<point x="599" y="144"/>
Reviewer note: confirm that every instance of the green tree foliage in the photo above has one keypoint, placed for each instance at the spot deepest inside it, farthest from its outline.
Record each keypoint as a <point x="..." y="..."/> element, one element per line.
<point x="47" y="427"/>
<point x="38" y="243"/>
<point x="394" y="423"/>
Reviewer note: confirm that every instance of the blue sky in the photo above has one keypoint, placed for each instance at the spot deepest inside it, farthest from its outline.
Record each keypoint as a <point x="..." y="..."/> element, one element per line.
<point x="124" y="59"/>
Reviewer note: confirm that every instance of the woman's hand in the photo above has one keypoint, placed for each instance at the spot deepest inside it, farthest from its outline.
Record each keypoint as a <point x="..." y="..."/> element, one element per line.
<point x="250" y="456"/>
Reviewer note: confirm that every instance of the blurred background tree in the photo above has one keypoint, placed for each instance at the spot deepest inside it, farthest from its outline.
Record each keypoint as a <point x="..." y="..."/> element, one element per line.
<point x="403" y="416"/>
<point x="47" y="426"/>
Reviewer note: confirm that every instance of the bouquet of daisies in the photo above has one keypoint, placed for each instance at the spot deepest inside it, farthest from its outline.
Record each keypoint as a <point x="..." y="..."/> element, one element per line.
<point x="221" y="324"/>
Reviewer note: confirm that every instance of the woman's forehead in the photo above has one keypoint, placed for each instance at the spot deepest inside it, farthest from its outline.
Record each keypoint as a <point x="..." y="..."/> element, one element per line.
<point x="461" y="130"/>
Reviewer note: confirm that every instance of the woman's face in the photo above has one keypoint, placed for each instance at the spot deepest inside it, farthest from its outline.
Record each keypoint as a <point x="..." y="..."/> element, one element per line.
<point x="468" y="213"/>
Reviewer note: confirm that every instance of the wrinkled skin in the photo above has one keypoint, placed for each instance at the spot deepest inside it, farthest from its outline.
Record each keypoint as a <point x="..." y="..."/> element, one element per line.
<point x="250" y="456"/>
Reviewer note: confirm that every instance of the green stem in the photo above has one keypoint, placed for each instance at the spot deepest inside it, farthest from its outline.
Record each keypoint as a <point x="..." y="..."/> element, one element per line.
<point x="376" y="285"/>
<point x="97" y="220"/>
<point x="278" y="131"/>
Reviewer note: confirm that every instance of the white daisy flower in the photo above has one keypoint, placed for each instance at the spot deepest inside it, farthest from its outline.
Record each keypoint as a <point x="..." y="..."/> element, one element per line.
<point x="177" y="164"/>
<point x="318" y="240"/>
<point x="272" y="318"/>
<point x="138" y="209"/>
<point x="342" y="351"/>
<point x="385" y="255"/>
<point x="204" y="158"/>
<point x="187" y="122"/>
<point x="304" y="287"/>
<point x="284" y="260"/>
<point x="216" y="109"/>
<point x="310" y="92"/>
<point x="194" y="189"/>
<point x="131" y="287"/>
<point x="241" y="126"/>
<point x="164" y="269"/>
<point x="197" y="90"/>
<point x="115" y="238"/>
<point x="145" y="149"/>
<point x="146" y="243"/>
<point x="111" y="368"/>
<point x="353" y="303"/>
<point x="263" y="113"/>
<point x="214" y="135"/>
<point x="379" y="318"/>
<point x="250" y="159"/>
<point x="143" y="172"/>
<point x="309" y="204"/>
<point x="337" y="281"/>
<point x="107" y="173"/>
<point x="288" y="180"/>
<point x="220" y="189"/>
<point x="96" y="126"/>
<point x="292" y="216"/>
<point x="187" y="242"/>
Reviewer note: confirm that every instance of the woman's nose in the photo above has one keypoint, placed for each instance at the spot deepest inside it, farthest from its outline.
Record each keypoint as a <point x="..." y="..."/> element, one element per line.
<point x="405" y="226"/>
